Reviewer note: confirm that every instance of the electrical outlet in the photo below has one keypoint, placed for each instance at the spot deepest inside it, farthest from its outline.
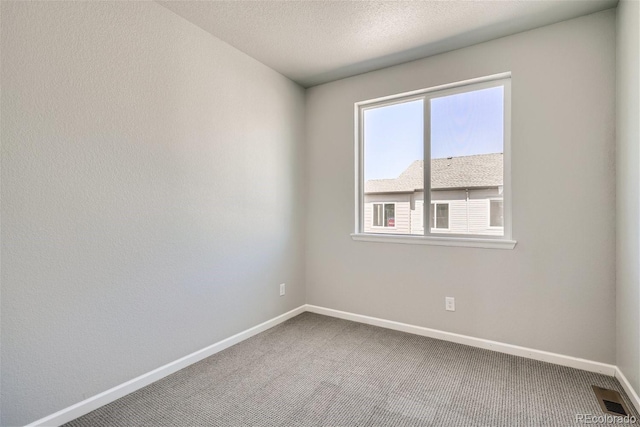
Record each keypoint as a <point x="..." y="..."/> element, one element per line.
<point x="282" y="288"/>
<point x="450" y="303"/>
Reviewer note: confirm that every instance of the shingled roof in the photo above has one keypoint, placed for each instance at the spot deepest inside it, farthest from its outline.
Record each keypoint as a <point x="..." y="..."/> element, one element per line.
<point x="479" y="171"/>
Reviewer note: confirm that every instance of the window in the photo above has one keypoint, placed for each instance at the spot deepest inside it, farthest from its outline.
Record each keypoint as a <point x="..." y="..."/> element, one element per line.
<point x="496" y="213"/>
<point x="384" y="214"/>
<point x="445" y="143"/>
<point x="439" y="216"/>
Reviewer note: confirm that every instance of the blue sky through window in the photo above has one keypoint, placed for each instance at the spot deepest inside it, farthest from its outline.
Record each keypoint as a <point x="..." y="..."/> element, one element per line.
<point x="461" y="125"/>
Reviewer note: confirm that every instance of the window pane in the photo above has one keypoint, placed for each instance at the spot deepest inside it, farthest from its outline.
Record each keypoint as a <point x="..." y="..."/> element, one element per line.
<point x="393" y="147"/>
<point x="497" y="213"/>
<point x="467" y="145"/>
<point x="442" y="215"/>
<point x="377" y="215"/>
<point x="389" y="215"/>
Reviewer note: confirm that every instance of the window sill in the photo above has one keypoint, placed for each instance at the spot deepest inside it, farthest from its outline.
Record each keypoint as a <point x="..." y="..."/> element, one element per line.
<point x="468" y="242"/>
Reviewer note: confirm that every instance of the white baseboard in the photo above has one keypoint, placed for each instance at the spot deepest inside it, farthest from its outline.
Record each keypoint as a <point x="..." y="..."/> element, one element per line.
<point x="633" y="396"/>
<point x="88" y="405"/>
<point x="544" y="356"/>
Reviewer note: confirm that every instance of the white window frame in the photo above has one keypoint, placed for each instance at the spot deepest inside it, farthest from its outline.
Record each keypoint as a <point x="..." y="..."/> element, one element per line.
<point x="384" y="227"/>
<point x="435" y="220"/>
<point x="494" y="227"/>
<point x="434" y="238"/>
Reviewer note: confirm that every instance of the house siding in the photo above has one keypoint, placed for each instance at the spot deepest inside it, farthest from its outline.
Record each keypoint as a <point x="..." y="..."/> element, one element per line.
<point x="416" y="217"/>
<point x="409" y="208"/>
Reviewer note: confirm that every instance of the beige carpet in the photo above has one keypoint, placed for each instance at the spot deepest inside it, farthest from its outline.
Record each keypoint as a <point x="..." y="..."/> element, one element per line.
<point x="319" y="371"/>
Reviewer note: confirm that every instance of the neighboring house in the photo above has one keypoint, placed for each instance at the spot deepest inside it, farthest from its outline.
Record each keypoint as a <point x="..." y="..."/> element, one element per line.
<point x="466" y="198"/>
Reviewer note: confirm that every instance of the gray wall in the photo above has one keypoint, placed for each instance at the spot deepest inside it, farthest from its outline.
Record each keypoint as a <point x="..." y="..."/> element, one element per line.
<point x="628" y="191"/>
<point x="556" y="290"/>
<point x="151" y="197"/>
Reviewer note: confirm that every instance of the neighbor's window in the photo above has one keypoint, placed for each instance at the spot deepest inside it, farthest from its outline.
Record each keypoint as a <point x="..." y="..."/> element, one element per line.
<point x="449" y="143"/>
<point x="440" y="216"/>
<point x="384" y="214"/>
<point x="496" y="213"/>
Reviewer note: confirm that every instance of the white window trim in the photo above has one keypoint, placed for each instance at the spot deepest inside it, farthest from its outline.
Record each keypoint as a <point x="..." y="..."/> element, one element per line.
<point x="469" y="242"/>
<point x="435" y="220"/>
<point x="479" y="241"/>
<point x="383" y="227"/>
<point x="489" y="226"/>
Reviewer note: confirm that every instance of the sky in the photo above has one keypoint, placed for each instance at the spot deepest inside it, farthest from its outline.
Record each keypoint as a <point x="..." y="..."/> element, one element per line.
<point x="461" y="125"/>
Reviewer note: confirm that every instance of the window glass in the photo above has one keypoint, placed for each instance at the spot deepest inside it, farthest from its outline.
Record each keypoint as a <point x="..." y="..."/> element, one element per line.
<point x="390" y="215"/>
<point x="384" y="214"/>
<point x="467" y="145"/>
<point x="377" y="215"/>
<point x="393" y="144"/>
<point x="496" y="213"/>
<point x="442" y="215"/>
<point x="439" y="216"/>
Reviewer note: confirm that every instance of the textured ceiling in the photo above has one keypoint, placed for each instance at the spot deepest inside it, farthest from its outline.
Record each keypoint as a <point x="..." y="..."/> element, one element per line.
<point x="314" y="42"/>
